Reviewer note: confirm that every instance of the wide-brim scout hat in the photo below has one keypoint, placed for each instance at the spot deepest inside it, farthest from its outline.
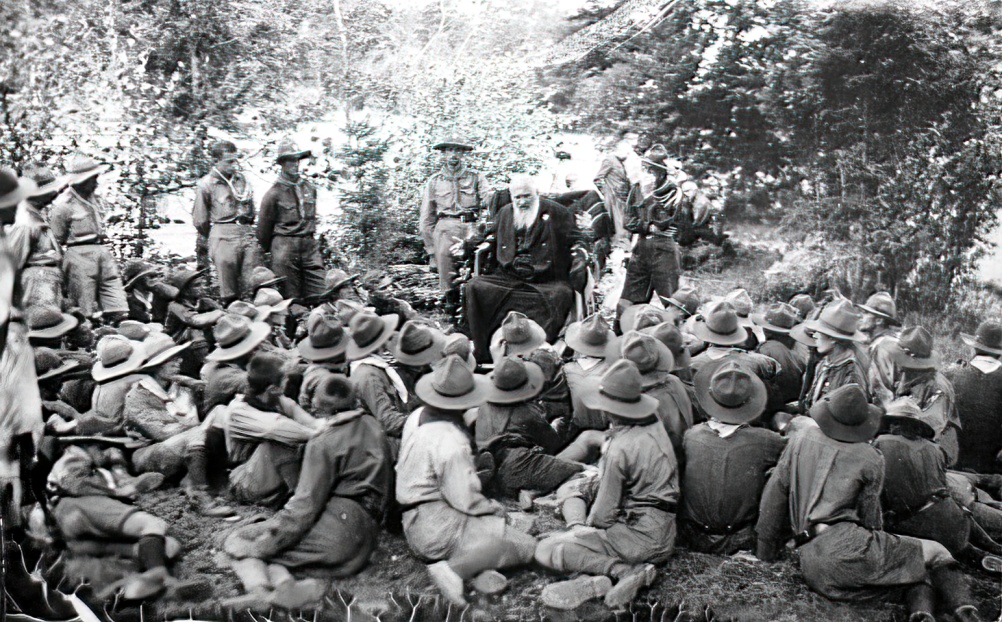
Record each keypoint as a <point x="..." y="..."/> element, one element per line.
<point x="845" y="415"/>
<point x="988" y="338"/>
<point x="730" y="393"/>
<point x="452" y="386"/>
<point x="288" y="150"/>
<point x="262" y="277"/>
<point x="914" y="350"/>
<point x="245" y="309"/>
<point x="905" y="411"/>
<point x="460" y="345"/>
<point x="882" y="305"/>
<point x="49" y="323"/>
<point x="418" y="344"/>
<point x="136" y="331"/>
<point x="134" y="270"/>
<point x="453" y="143"/>
<point x="368" y="332"/>
<point x="741" y="300"/>
<point x="778" y="318"/>
<point x="14" y="189"/>
<point x="160" y="348"/>
<point x="591" y="337"/>
<point x="335" y="279"/>
<point x="46" y="181"/>
<point x="685" y="299"/>
<point x="48" y="364"/>
<point x="117" y="357"/>
<point x="236" y="336"/>
<point x="515" y="380"/>
<point x="620" y="392"/>
<point x="804" y="305"/>
<point x="669" y="334"/>
<point x="838" y="321"/>
<point x="657" y="155"/>
<point x="268" y="301"/>
<point x="719" y="326"/>
<point x="325" y="338"/>
<point x="182" y="279"/>
<point x="636" y="317"/>
<point x="518" y="334"/>
<point x="82" y="167"/>
<point x="652" y="358"/>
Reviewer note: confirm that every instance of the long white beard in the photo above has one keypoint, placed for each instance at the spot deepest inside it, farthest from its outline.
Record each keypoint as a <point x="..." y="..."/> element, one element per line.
<point x="524" y="218"/>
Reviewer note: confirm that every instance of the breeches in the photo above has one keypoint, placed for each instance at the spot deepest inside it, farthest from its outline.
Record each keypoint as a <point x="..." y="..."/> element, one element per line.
<point x="235" y="251"/>
<point x="93" y="282"/>
<point x="298" y="260"/>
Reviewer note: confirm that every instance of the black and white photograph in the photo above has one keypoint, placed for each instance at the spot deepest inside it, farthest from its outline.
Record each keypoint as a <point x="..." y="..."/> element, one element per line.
<point x="500" y="310"/>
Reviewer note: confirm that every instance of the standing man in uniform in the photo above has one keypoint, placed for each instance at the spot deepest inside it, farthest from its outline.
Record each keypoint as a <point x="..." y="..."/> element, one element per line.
<point x="36" y="249"/>
<point x="93" y="282"/>
<point x="287" y="224"/>
<point x="452" y="199"/>
<point x="224" y="214"/>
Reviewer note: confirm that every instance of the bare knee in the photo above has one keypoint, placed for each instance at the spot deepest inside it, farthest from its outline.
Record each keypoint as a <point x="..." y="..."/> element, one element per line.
<point x="143" y="524"/>
<point x="935" y="554"/>
<point x="593" y="439"/>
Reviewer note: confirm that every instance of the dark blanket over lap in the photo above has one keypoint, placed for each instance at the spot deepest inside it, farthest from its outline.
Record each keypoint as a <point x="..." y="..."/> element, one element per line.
<point x="489" y="298"/>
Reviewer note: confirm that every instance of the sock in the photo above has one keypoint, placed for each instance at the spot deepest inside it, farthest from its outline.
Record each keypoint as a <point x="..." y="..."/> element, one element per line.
<point x="152" y="552"/>
<point x="575" y="511"/>
<point x="197" y="463"/>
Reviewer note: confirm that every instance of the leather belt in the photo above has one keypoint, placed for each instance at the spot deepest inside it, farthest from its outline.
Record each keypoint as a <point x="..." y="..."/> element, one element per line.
<point x="88" y="242"/>
<point x="665" y="506"/>
<point x="721" y="531"/>
<point x="464" y="217"/>
<point x="935" y="497"/>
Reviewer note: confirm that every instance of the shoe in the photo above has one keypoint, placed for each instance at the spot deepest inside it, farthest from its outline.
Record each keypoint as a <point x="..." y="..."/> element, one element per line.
<point x="626" y="589"/>
<point x="147" y="482"/>
<point x="992" y="564"/>
<point x="921" y="616"/>
<point x="489" y="582"/>
<point x="209" y="506"/>
<point x="145" y="585"/>
<point x="448" y="583"/>
<point x="572" y="594"/>
<point x="305" y="594"/>
<point x="967" y="613"/>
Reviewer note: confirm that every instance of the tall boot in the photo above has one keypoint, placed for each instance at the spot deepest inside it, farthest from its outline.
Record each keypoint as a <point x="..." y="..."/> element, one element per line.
<point x="921" y="603"/>
<point x="953" y="589"/>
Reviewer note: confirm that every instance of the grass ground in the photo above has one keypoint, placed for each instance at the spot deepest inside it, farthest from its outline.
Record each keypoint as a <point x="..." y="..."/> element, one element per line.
<point x="395" y="586"/>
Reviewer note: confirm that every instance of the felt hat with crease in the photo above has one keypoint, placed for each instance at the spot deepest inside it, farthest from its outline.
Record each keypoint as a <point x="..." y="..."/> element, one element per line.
<point x="730" y="393"/>
<point x="914" y="350"/>
<point x="452" y="386"/>
<point x="838" y="321"/>
<point x="652" y="358"/>
<point x="720" y="326"/>
<point x="236" y="336"/>
<point x="515" y="380"/>
<point x="368" y="333"/>
<point x="160" y="348"/>
<point x="518" y="334"/>
<point x="82" y="167"/>
<point x="780" y="317"/>
<point x="14" y="189"/>
<point x="49" y="323"/>
<point x="418" y="344"/>
<point x="636" y="317"/>
<point x="620" y="392"/>
<point x="117" y="357"/>
<point x="845" y="415"/>
<point x="325" y="338"/>
<point x="987" y="339"/>
<point x="591" y="337"/>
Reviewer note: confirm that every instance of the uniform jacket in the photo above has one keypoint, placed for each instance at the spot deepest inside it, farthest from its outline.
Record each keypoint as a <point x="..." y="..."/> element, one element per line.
<point x="547" y="243"/>
<point x="287" y="209"/>
<point x="32" y="239"/>
<point x="979" y="401"/>
<point x="834" y="373"/>
<point x="448" y="195"/>
<point x="75" y="220"/>
<point x="215" y="203"/>
<point x="157" y="413"/>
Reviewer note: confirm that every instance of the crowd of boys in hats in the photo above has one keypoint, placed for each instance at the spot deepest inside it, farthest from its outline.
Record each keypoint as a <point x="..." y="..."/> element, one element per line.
<point x="681" y="420"/>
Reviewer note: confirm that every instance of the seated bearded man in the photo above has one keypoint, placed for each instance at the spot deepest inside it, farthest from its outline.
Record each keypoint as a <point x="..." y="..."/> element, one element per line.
<point x="532" y="245"/>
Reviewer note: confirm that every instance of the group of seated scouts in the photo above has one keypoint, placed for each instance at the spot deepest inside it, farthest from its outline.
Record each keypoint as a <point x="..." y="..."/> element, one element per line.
<point x="699" y="423"/>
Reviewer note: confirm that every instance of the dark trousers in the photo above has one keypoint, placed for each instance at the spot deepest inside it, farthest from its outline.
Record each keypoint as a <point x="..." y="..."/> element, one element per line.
<point x="298" y="260"/>
<point x="653" y="267"/>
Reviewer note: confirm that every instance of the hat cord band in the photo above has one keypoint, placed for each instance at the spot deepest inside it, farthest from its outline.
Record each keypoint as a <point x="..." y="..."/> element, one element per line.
<point x="518" y="386"/>
<point x="442" y="392"/>
<point x="628" y="400"/>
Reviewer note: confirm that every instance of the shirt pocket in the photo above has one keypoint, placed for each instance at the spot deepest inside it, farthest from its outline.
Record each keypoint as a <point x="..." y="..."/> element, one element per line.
<point x="287" y="210"/>
<point x="468" y="191"/>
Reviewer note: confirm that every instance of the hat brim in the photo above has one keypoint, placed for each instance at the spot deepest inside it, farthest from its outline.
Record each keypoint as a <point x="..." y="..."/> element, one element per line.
<point x="905" y="361"/>
<point x="973" y="342"/>
<point x="425" y="357"/>
<point x="573" y="339"/>
<point x="54" y="332"/>
<point x="132" y="282"/>
<point x="802" y="334"/>
<point x="675" y="303"/>
<point x="259" y="331"/>
<point x="923" y="428"/>
<point x="73" y="179"/>
<point x="55" y="185"/>
<point x="759" y="320"/>
<point x="24" y="189"/>
<point x="356" y="351"/>
<point x="134" y="363"/>
<point x="265" y="311"/>
<point x="312" y="353"/>
<point x="537" y="337"/>
<point x="628" y="320"/>
<point x="592" y="397"/>
<point x="529" y="390"/>
<point x="879" y="313"/>
<point x="818" y="327"/>
<point x="268" y="283"/>
<point x="702" y="332"/>
<point x="295" y="155"/>
<point x="166" y="355"/>
<point x="65" y="368"/>
<point x="427" y="394"/>
<point x="745" y="413"/>
<point x="664" y="365"/>
<point x="839" y="431"/>
<point x="451" y="145"/>
<point x="338" y="285"/>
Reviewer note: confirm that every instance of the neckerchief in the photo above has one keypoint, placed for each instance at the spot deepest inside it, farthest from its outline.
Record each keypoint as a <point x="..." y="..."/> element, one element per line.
<point x="986" y="364"/>
<point x="383" y="364"/>
<point x="297" y="190"/>
<point x="98" y="211"/>
<point x="453" y="176"/>
<point x="723" y="429"/>
<point x="588" y="363"/>
<point x="241" y="199"/>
